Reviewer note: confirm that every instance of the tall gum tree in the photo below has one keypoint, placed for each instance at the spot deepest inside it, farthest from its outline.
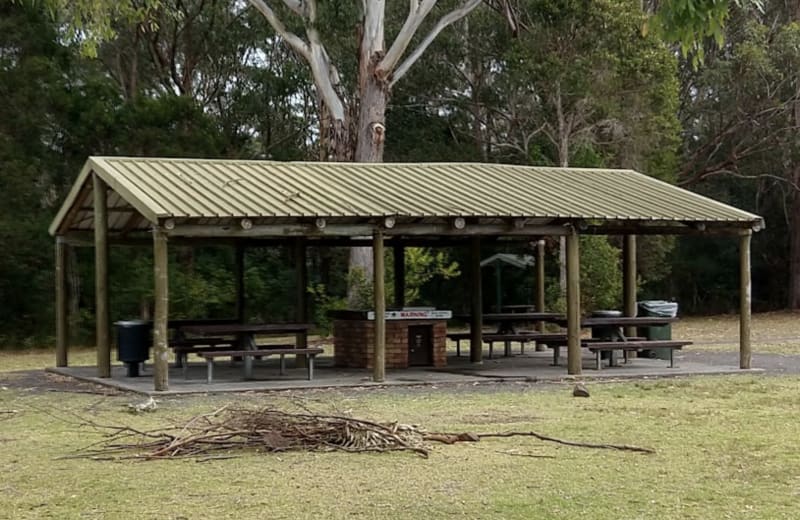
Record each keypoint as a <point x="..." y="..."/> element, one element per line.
<point x="358" y="120"/>
<point x="356" y="130"/>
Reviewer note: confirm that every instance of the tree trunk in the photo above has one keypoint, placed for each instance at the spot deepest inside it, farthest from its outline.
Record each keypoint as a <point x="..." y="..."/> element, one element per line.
<point x="563" y="160"/>
<point x="337" y="145"/>
<point x="373" y="96"/>
<point x="371" y="120"/>
<point x="794" y="241"/>
<point x="794" y="208"/>
<point x="74" y="294"/>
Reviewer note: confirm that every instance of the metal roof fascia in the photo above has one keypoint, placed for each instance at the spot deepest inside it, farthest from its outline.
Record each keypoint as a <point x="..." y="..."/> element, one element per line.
<point x="135" y="197"/>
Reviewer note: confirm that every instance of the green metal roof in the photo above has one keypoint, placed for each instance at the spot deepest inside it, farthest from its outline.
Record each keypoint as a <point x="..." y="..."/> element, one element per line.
<point x="206" y="190"/>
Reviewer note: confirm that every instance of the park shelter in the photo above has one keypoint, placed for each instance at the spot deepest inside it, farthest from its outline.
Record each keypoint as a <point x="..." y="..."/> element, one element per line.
<point x="119" y="200"/>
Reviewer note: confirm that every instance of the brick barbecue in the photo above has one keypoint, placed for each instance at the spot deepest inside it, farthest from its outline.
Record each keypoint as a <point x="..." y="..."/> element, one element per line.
<point x="413" y="338"/>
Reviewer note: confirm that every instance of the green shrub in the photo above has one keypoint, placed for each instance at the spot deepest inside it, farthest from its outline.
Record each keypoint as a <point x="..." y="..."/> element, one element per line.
<point x="601" y="277"/>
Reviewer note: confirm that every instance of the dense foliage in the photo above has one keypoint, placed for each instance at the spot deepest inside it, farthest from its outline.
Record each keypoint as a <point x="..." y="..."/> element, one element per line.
<point x="570" y="82"/>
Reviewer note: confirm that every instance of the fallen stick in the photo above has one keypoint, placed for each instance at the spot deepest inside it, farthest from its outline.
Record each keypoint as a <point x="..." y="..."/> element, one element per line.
<point x="531" y="455"/>
<point x="452" y="438"/>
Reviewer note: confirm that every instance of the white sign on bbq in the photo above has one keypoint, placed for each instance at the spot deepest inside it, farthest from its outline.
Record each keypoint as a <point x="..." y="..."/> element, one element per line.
<point x="412" y="313"/>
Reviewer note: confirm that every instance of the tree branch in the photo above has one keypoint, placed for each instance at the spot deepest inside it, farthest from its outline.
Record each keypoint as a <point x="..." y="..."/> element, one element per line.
<point x="416" y="15"/>
<point x="324" y="74"/>
<point x="294" y="41"/>
<point x="297" y="6"/>
<point x="446" y="20"/>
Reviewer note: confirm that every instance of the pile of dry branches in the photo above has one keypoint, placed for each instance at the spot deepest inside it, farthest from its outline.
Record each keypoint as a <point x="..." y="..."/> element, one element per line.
<point x="222" y="433"/>
<point x="232" y="429"/>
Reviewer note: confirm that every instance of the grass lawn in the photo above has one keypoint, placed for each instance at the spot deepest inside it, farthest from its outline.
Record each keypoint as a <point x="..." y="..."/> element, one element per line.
<point x="727" y="448"/>
<point x="772" y="332"/>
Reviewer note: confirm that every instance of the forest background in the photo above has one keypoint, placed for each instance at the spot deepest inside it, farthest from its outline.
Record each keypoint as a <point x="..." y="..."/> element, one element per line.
<point x="568" y="82"/>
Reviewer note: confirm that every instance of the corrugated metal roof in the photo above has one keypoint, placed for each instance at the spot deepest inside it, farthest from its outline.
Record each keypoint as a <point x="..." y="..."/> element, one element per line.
<point x="223" y="189"/>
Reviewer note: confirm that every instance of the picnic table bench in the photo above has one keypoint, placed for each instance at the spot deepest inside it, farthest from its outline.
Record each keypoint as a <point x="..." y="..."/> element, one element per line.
<point x="521" y="337"/>
<point x="184" y="346"/>
<point x="632" y="344"/>
<point x="627" y="346"/>
<point x="248" y="355"/>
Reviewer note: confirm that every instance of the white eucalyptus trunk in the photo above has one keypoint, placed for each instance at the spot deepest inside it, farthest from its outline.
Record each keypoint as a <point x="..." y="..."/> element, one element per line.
<point x="378" y="69"/>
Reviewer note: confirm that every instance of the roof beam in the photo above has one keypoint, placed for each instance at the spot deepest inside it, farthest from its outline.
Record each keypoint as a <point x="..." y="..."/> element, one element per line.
<point x="355" y="230"/>
<point x="133" y="221"/>
<point x="711" y="230"/>
<point x="69" y="218"/>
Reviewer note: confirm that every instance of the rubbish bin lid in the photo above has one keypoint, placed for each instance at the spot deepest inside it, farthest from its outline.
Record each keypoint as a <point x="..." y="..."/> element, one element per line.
<point x="607" y="314"/>
<point x="130" y="323"/>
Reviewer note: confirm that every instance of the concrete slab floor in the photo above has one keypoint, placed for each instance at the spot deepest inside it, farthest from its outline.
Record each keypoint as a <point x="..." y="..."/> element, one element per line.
<point x="531" y="366"/>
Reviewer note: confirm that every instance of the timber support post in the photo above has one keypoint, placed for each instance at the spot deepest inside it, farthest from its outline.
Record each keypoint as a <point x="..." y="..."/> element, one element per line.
<point x="498" y="290"/>
<point x="379" y="290"/>
<point x="240" y="291"/>
<point x="62" y="307"/>
<point x="102" y="319"/>
<point x="301" y="288"/>
<point x="573" y="305"/>
<point x="745" y="298"/>
<point x="629" y="281"/>
<point x="540" y="281"/>
<point x="399" y="252"/>
<point x="161" y="310"/>
<point x="476" y="323"/>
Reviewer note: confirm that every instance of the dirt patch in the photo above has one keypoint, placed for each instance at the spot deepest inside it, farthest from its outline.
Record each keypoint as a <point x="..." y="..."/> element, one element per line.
<point x="38" y="381"/>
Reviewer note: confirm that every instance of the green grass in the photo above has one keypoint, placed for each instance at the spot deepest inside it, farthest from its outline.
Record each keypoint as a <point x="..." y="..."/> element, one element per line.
<point x="727" y="448"/>
<point x="32" y="359"/>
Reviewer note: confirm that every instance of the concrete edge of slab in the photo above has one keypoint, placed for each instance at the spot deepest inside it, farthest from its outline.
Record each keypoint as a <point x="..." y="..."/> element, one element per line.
<point x="473" y="379"/>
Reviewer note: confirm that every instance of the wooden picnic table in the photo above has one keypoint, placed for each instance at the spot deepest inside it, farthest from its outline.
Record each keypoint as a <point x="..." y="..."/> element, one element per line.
<point x="616" y="339"/>
<point x="522" y="307"/>
<point x="591" y="322"/>
<point x="508" y="321"/>
<point x="246" y="332"/>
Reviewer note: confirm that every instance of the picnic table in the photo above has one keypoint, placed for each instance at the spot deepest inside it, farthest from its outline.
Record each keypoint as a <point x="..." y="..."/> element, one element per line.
<point x="245" y="333"/>
<point x="617" y="321"/>
<point x="507" y="322"/>
<point x="244" y="343"/>
<point x="521" y="307"/>
<point x="617" y="340"/>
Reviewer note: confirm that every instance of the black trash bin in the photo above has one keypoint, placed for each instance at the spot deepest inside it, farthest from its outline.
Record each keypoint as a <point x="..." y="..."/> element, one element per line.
<point x="606" y="333"/>
<point x="133" y="344"/>
<point x="657" y="309"/>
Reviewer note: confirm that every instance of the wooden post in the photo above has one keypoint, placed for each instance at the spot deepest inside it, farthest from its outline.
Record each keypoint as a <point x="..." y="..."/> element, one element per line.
<point x="476" y="325"/>
<point x="240" y="300"/>
<point x="498" y="291"/>
<point x="301" y="288"/>
<point x="540" y="279"/>
<point x="62" y="308"/>
<point x="745" y="295"/>
<point x="379" y="290"/>
<point x="399" y="252"/>
<point x="161" y="311"/>
<point x="573" y="305"/>
<point x="629" y="280"/>
<point x="101" y="277"/>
